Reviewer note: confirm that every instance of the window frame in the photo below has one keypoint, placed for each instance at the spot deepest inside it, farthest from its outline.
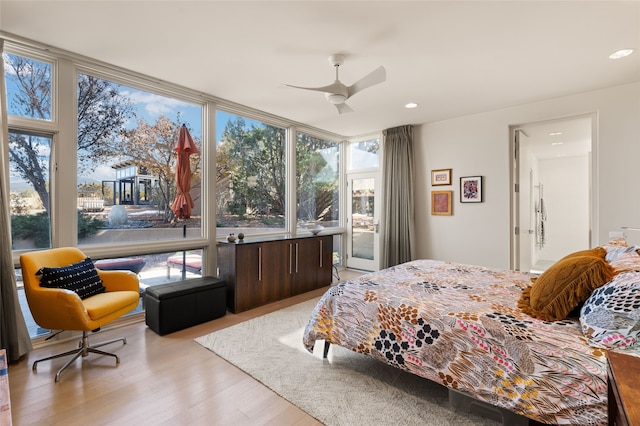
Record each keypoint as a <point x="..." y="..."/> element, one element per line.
<point x="361" y="139"/>
<point x="29" y="122"/>
<point x="63" y="127"/>
<point x="339" y="144"/>
<point x="221" y="232"/>
<point x="143" y="86"/>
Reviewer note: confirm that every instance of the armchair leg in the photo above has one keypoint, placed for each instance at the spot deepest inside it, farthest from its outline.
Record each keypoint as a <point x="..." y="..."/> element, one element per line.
<point x="83" y="350"/>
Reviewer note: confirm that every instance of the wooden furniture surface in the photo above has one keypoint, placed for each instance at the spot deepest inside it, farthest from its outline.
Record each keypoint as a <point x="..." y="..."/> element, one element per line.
<point x="262" y="270"/>
<point x="624" y="389"/>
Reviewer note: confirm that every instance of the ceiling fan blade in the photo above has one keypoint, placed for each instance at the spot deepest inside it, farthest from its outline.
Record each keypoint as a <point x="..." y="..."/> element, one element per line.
<point x="343" y="108"/>
<point x="335" y="87"/>
<point x="374" y="77"/>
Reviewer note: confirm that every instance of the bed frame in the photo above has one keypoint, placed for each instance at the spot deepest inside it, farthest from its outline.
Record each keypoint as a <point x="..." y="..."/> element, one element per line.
<point x="459" y="325"/>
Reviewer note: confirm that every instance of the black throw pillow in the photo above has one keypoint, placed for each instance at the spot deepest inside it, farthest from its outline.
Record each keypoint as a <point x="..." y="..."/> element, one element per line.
<point x="80" y="277"/>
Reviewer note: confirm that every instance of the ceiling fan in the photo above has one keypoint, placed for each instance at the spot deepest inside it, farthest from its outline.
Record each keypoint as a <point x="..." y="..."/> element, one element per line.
<point x="337" y="93"/>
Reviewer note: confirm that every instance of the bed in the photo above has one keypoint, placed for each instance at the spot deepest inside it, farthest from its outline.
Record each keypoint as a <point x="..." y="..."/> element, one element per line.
<point x="460" y="325"/>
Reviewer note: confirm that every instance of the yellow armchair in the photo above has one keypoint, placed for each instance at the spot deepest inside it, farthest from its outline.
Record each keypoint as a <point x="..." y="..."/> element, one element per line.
<point x="62" y="309"/>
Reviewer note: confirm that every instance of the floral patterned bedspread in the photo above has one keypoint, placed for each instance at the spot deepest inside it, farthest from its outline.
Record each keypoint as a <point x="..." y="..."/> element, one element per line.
<point x="459" y="325"/>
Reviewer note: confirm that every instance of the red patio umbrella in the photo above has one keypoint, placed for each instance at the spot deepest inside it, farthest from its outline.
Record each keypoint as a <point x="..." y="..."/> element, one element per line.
<point x="185" y="146"/>
<point x="183" y="203"/>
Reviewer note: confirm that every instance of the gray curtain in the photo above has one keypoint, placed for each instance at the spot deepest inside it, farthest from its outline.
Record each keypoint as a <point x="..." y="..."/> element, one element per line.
<point x="14" y="336"/>
<point x="397" y="205"/>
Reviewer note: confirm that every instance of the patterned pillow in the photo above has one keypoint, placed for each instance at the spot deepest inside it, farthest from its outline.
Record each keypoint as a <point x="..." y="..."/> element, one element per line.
<point x="80" y="277"/>
<point x="624" y="260"/>
<point x="611" y="315"/>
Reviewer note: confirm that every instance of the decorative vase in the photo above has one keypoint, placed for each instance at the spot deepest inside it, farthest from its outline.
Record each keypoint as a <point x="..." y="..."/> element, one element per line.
<point x="241" y="236"/>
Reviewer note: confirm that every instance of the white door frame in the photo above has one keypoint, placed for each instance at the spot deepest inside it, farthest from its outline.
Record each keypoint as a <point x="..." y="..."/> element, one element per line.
<point x="517" y="229"/>
<point x="356" y="262"/>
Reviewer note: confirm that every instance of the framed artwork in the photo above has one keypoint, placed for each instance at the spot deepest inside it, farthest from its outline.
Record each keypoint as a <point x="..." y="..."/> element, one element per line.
<point x="471" y="189"/>
<point x="441" y="177"/>
<point x="441" y="203"/>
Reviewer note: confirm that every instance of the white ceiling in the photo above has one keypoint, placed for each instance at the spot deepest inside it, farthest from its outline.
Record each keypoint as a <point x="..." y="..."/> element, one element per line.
<point x="452" y="58"/>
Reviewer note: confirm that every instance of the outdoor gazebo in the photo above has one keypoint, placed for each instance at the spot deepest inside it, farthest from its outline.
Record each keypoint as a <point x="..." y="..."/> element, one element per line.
<point x="133" y="184"/>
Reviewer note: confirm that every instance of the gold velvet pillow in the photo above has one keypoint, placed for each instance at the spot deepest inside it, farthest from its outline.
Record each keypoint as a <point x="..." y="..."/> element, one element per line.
<point x="565" y="285"/>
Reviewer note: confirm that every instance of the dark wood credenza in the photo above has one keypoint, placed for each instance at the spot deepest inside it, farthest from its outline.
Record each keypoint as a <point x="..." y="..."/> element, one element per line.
<point x="624" y="389"/>
<point x="263" y="270"/>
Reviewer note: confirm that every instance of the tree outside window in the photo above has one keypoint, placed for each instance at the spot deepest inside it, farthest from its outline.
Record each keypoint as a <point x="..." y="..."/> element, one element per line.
<point x="317" y="181"/>
<point x="113" y="128"/>
<point x="250" y="176"/>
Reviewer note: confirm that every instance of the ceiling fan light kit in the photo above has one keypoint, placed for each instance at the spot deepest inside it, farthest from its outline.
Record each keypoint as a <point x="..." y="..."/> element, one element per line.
<point x="337" y="93"/>
<point x="336" y="98"/>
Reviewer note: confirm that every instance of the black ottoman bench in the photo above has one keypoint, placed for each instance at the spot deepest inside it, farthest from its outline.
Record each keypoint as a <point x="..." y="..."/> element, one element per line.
<point x="175" y="306"/>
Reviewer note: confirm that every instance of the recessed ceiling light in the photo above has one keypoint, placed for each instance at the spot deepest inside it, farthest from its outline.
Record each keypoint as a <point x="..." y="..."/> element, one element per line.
<point x="621" y="53"/>
<point x="555" y="133"/>
<point x="411" y="105"/>
<point x="557" y="143"/>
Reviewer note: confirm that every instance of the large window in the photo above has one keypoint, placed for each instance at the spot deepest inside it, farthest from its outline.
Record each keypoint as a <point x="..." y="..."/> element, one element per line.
<point x="125" y="158"/>
<point x="29" y="87"/>
<point x="250" y="176"/>
<point x="364" y="154"/>
<point x="114" y="184"/>
<point x="317" y="182"/>
<point x="103" y="176"/>
<point x="29" y="164"/>
<point x="126" y="163"/>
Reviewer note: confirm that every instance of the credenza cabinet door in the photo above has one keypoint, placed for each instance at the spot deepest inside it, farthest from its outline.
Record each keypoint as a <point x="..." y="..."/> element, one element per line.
<point x="259" y="275"/>
<point x="262" y="272"/>
<point x="303" y="260"/>
<point x="273" y="284"/>
<point x="310" y="263"/>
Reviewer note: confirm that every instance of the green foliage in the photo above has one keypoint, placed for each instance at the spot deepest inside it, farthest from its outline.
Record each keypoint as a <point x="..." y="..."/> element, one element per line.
<point x="36" y="227"/>
<point x="253" y="164"/>
<point x="88" y="225"/>
<point x="273" y="221"/>
<point x="316" y="178"/>
<point x="237" y="208"/>
<point x="251" y="174"/>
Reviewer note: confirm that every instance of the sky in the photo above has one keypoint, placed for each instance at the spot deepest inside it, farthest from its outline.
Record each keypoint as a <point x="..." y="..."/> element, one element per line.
<point x="150" y="107"/>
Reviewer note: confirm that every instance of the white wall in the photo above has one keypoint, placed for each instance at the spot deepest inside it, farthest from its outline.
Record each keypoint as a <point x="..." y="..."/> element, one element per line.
<point x="479" y="233"/>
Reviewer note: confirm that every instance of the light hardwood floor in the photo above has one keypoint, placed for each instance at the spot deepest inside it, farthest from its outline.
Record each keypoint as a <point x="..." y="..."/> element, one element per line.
<point x="168" y="380"/>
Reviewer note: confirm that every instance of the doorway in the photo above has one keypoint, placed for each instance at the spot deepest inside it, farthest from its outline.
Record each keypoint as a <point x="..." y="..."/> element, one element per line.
<point x="363" y="221"/>
<point x="552" y="198"/>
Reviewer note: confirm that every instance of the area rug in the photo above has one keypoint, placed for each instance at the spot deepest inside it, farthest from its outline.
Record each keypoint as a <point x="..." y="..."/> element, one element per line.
<point x="347" y="388"/>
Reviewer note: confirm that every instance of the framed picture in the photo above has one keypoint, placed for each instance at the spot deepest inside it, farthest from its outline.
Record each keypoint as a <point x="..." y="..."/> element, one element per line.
<point x="471" y="189"/>
<point x="441" y="203"/>
<point x="441" y="177"/>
